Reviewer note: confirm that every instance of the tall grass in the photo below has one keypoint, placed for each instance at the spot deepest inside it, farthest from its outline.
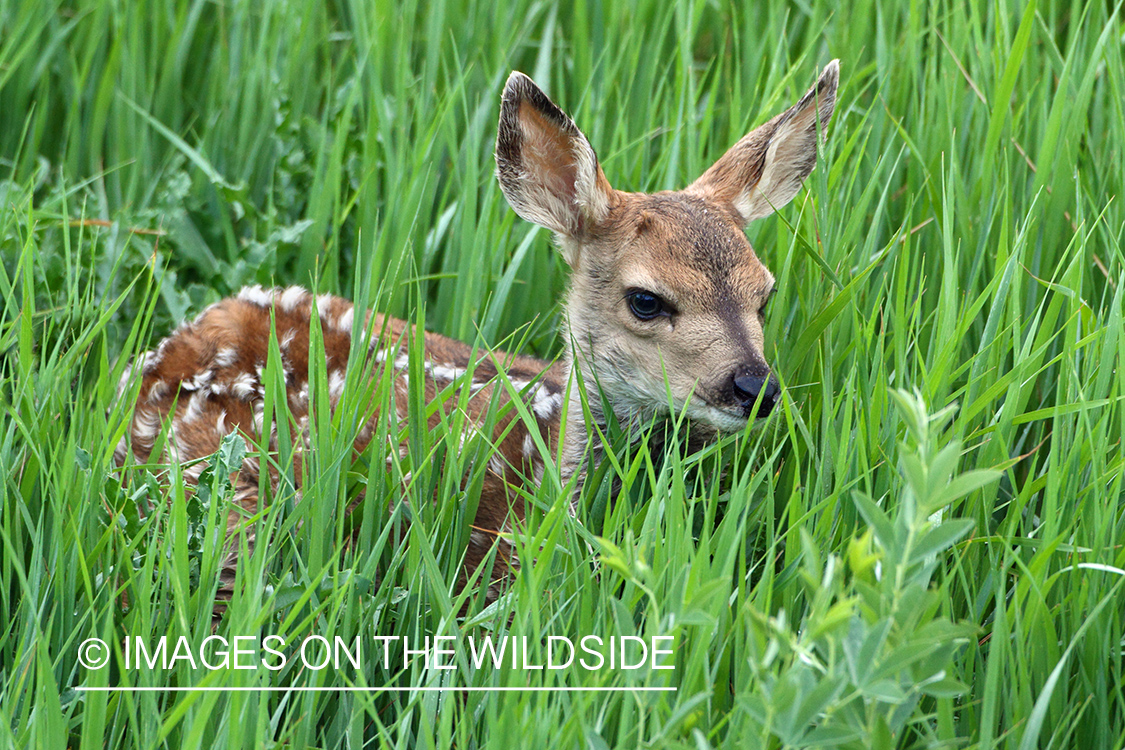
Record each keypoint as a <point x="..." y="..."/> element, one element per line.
<point x="924" y="548"/>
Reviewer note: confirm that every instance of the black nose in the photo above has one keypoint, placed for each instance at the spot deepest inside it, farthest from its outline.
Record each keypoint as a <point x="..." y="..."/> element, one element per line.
<point x="747" y="388"/>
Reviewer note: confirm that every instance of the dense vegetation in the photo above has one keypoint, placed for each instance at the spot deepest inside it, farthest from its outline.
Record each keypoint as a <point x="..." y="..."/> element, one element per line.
<point x="924" y="548"/>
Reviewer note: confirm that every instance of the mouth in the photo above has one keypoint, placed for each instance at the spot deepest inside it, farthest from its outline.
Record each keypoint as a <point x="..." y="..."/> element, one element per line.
<point x="729" y="417"/>
<point x="722" y="418"/>
<point x="759" y="410"/>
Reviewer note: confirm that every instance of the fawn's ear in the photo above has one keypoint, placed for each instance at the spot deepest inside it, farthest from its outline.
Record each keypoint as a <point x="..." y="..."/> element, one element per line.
<point x="764" y="170"/>
<point x="546" y="167"/>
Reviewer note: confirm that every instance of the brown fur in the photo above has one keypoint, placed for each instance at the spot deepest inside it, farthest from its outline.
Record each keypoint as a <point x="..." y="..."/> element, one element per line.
<point x="704" y="351"/>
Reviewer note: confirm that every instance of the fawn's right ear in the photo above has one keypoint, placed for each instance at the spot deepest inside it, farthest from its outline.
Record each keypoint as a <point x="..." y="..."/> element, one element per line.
<point x="546" y="167"/>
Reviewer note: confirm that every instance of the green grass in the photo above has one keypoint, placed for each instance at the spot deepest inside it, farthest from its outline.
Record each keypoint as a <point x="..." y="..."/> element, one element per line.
<point x="948" y="325"/>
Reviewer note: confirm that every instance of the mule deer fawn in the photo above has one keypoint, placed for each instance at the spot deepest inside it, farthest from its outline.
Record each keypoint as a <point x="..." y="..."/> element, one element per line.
<point x="665" y="311"/>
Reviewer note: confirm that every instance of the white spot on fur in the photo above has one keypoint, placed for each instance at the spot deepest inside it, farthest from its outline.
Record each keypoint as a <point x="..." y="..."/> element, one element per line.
<point x="132" y="369"/>
<point x="199" y="382"/>
<point x="292" y="297"/>
<point x="157" y="391"/>
<point x="287" y="339"/>
<point x="121" y="451"/>
<point x="323" y="305"/>
<point x="443" y="372"/>
<point x="146" y="425"/>
<point x="259" y="416"/>
<point x="529" y="446"/>
<point x="243" y="386"/>
<point x="123" y="383"/>
<point x="225" y="357"/>
<point x="256" y="295"/>
<point x="344" y="324"/>
<point x="149" y="361"/>
<point x="496" y="465"/>
<point x="221" y="423"/>
<point x="336" y="385"/>
<point x="545" y="404"/>
<point x="194" y="408"/>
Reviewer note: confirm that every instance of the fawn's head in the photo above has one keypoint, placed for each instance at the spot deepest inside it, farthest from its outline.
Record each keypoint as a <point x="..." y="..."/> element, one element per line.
<point x="667" y="296"/>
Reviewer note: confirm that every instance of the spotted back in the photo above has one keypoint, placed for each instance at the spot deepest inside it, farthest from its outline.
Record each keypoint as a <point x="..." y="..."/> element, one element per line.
<point x="206" y="380"/>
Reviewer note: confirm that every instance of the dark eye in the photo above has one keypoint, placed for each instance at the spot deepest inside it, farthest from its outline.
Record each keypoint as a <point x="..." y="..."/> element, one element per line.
<point x="766" y="304"/>
<point x="645" y="305"/>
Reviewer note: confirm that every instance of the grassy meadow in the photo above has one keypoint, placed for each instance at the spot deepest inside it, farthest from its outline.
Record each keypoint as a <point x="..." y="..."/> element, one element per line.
<point x="923" y="547"/>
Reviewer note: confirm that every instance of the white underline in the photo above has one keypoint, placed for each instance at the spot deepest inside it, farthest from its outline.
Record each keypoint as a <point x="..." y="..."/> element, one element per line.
<point x="378" y="689"/>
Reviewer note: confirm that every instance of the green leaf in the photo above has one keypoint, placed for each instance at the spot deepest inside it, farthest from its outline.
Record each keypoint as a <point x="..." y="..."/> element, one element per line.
<point x="877" y="520"/>
<point x="941" y="538"/>
<point x="947" y="687"/>
<point x="963" y="484"/>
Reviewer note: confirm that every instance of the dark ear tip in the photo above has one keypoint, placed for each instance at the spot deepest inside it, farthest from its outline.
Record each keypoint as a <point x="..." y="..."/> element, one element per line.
<point x="830" y="78"/>
<point x="520" y="88"/>
<point x="517" y="85"/>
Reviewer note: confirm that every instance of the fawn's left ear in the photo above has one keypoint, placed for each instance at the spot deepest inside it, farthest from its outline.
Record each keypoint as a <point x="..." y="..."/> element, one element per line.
<point x="546" y="167"/>
<point x="764" y="170"/>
